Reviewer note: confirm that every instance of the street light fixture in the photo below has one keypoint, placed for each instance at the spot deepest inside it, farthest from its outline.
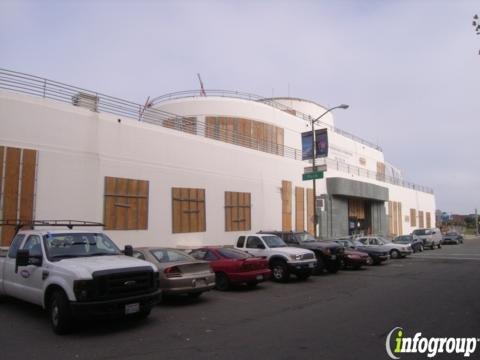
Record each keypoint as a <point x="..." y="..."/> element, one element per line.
<point x="314" y="147"/>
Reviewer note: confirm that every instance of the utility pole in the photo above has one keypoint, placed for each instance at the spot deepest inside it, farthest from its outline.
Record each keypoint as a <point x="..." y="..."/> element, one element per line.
<point x="314" y="148"/>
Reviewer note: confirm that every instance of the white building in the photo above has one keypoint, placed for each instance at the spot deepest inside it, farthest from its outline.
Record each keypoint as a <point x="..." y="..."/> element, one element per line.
<point x="189" y="169"/>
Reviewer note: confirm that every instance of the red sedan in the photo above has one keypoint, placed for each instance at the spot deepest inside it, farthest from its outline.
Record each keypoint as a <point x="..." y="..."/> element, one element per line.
<point x="232" y="266"/>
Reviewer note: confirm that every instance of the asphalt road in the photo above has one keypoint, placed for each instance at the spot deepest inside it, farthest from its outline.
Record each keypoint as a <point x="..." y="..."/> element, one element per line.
<point x="342" y="316"/>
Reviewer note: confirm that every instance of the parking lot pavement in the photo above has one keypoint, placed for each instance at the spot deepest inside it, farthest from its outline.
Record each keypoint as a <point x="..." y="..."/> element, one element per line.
<point x="342" y="316"/>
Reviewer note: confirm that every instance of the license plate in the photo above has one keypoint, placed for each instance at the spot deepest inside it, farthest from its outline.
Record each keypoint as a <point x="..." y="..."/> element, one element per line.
<point x="259" y="277"/>
<point x="333" y="257"/>
<point x="200" y="283"/>
<point x="311" y="266"/>
<point x="132" y="308"/>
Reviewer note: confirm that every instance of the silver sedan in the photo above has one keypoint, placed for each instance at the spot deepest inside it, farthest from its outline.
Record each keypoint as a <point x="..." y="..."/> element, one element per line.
<point x="179" y="272"/>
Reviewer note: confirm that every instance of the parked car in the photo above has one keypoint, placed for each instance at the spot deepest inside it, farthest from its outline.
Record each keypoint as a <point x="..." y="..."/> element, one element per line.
<point x="452" y="237"/>
<point x="328" y="253"/>
<point x="354" y="259"/>
<point x="74" y="273"/>
<point x="394" y="250"/>
<point x="232" y="266"/>
<point x="430" y="237"/>
<point x="180" y="274"/>
<point x="283" y="260"/>
<point x="375" y="255"/>
<point x="415" y="243"/>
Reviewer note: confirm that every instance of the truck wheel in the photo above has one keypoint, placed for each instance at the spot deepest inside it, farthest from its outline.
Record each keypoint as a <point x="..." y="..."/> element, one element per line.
<point x="280" y="271"/>
<point x="221" y="281"/>
<point x="60" y="315"/>
<point x="394" y="254"/>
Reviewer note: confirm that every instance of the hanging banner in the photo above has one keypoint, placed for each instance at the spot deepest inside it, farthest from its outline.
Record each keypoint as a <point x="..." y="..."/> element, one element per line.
<point x="321" y="137"/>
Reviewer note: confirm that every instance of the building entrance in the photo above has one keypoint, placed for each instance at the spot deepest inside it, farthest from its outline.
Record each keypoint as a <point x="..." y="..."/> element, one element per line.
<point x="359" y="217"/>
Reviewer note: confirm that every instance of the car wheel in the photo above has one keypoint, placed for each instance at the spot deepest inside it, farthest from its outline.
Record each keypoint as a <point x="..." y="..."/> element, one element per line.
<point x="195" y="295"/>
<point x="252" y="284"/>
<point x="221" y="281"/>
<point x="60" y="314"/>
<point x="370" y="261"/>
<point x="280" y="271"/>
<point x="420" y="248"/>
<point x="432" y="247"/>
<point x="439" y="245"/>
<point x="394" y="254"/>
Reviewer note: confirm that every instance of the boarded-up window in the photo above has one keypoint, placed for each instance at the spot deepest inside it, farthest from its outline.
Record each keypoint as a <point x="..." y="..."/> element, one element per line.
<point x="244" y="132"/>
<point x="413" y="217"/>
<point x="186" y="124"/>
<point x="395" y="218"/>
<point x="421" y="223"/>
<point x="428" y="219"/>
<point x="299" y="209"/>
<point x="17" y="188"/>
<point x="380" y="171"/>
<point x="286" y="205"/>
<point x="310" y="219"/>
<point x="188" y="207"/>
<point x="356" y="208"/>
<point x="126" y="204"/>
<point x="399" y="219"/>
<point x="237" y="211"/>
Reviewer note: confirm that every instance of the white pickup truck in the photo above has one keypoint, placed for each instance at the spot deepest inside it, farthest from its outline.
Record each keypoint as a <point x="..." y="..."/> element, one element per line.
<point x="73" y="273"/>
<point x="282" y="259"/>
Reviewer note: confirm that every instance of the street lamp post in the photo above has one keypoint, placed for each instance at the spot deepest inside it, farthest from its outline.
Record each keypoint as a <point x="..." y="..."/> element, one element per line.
<point x="314" y="147"/>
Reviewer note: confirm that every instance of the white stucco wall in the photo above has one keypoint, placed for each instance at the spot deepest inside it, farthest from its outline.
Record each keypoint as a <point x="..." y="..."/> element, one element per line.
<point x="78" y="148"/>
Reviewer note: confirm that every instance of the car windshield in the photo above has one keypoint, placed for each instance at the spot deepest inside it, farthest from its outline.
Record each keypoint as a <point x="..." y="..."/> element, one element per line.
<point x="358" y="243"/>
<point x="67" y="245"/>
<point x="451" y="233"/>
<point x="233" y="253"/>
<point x="273" y="241"/>
<point x="421" y="232"/>
<point x="305" y="237"/>
<point x="403" y="239"/>
<point x="170" y="255"/>
<point x="382" y="241"/>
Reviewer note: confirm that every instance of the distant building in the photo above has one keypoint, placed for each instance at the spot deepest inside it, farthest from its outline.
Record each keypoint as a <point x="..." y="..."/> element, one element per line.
<point x="189" y="170"/>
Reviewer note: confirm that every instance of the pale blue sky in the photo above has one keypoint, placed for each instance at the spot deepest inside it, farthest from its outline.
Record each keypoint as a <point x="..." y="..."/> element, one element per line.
<point x="408" y="69"/>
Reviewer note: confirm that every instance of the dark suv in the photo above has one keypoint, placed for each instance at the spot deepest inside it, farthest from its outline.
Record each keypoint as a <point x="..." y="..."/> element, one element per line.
<point x="328" y="253"/>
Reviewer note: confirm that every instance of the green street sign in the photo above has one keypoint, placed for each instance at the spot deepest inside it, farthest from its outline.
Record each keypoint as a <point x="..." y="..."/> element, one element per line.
<point x="313" y="175"/>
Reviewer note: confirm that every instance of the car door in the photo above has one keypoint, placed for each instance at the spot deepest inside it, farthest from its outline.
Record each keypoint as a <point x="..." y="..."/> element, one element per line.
<point x="27" y="282"/>
<point x="255" y="246"/>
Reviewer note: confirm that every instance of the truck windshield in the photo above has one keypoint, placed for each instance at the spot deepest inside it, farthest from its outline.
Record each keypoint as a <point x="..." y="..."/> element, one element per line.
<point x="274" y="241"/>
<point x="67" y="245"/>
<point x="305" y="237"/>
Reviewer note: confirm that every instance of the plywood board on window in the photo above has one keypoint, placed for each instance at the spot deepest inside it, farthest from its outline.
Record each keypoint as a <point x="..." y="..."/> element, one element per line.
<point x="420" y="219"/>
<point x="125" y="204"/>
<point x="428" y="219"/>
<point x="413" y="217"/>
<point x="286" y="205"/>
<point x="299" y="209"/>
<point x="29" y="160"/>
<point x="11" y="191"/>
<point x="399" y="217"/>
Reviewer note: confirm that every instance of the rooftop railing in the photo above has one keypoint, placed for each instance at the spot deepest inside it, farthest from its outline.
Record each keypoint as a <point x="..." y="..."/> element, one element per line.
<point x="258" y="98"/>
<point x="98" y="102"/>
